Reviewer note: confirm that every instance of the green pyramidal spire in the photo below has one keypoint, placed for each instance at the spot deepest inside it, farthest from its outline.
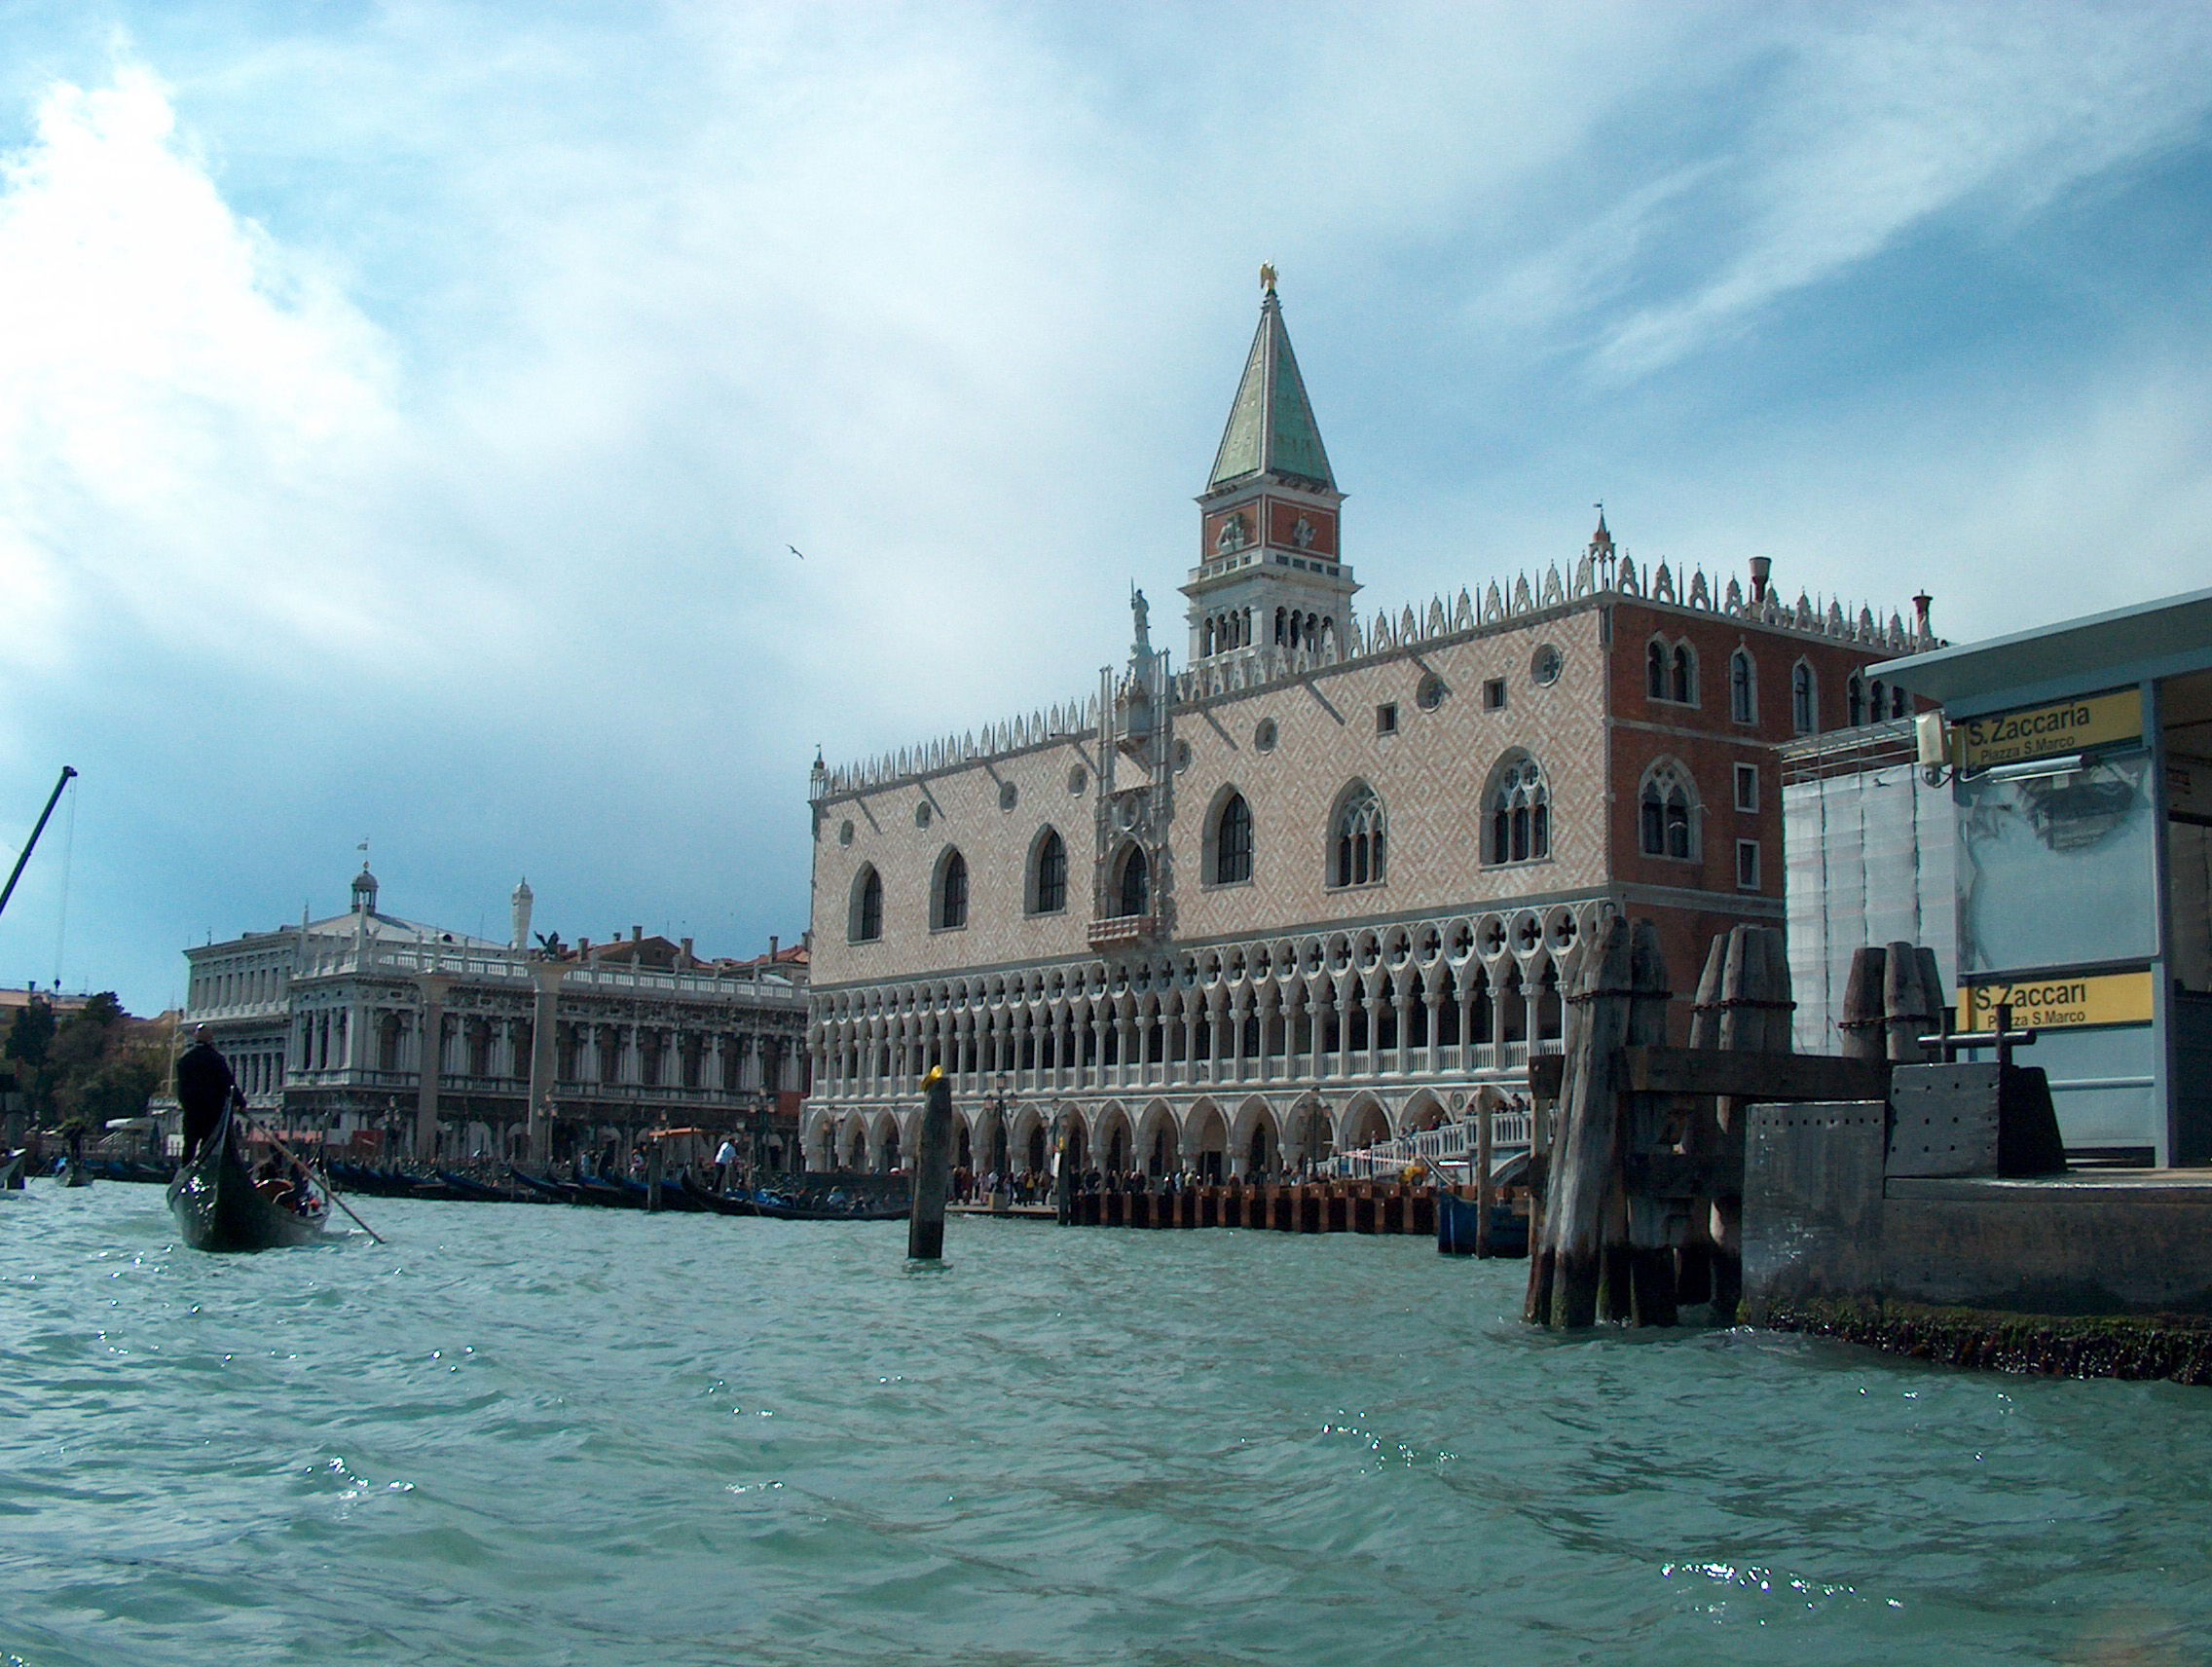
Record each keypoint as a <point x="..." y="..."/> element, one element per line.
<point x="1271" y="426"/>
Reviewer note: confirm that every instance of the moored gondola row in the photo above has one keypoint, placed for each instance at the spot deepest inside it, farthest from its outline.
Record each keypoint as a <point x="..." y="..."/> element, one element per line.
<point x="582" y="1187"/>
<point x="516" y="1185"/>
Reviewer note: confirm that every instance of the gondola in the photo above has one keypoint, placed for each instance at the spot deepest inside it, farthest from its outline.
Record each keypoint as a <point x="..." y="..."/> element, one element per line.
<point x="473" y="1191"/>
<point x="1457" y="1220"/>
<point x="783" y="1209"/>
<point x="607" y="1195"/>
<point x="129" y="1170"/>
<point x="719" y="1204"/>
<point x="545" y="1186"/>
<point x="671" y="1196"/>
<point x="217" y="1208"/>
<point x="11" y="1171"/>
<point x="376" y="1183"/>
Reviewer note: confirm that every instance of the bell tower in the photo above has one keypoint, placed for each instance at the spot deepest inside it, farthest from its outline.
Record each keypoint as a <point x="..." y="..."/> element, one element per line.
<point x="1269" y="571"/>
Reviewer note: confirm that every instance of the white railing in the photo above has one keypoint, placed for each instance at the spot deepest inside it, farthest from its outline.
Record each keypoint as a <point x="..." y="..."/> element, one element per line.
<point x="1454" y="1145"/>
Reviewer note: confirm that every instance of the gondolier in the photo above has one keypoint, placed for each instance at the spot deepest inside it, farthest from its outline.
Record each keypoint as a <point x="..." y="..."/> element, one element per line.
<point x="205" y="1089"/>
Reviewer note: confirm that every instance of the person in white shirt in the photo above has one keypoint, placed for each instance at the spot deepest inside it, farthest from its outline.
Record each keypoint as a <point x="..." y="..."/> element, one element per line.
<point x="726" y="1160"/>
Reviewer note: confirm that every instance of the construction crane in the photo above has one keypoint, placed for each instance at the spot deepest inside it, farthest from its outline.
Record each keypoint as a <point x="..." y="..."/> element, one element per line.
<point x="51" y="800"/>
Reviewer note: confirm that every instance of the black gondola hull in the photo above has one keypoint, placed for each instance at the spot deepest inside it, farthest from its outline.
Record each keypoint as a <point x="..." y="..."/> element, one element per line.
<point x="217" y="1209"/>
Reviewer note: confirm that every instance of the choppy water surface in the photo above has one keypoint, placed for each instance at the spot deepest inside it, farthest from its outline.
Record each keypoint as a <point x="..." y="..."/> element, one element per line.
<point x="555" y="1435"/>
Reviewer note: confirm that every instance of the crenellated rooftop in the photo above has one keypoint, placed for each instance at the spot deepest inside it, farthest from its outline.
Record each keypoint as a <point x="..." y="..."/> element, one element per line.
<point x="1596" y="577"/>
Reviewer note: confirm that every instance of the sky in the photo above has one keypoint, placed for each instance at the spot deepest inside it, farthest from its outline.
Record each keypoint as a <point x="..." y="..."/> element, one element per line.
<point x="409" y="413"/>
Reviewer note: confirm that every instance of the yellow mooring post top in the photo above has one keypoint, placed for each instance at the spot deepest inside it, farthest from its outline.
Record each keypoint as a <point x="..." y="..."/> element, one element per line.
<point x="934" y="1077"/>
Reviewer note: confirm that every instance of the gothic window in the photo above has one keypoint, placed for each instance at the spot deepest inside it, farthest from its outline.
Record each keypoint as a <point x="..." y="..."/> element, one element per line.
<point x="1233" y="841"/>
<point x="1668" y="812"/>
<point x="1874" y="711"/>
<point x="950" y="912"/>
<point x="1049" y="875"/>
<point x="1743" y="687"/>
<point x="867" y="924"/>
<point x="1855" y="702"/>
<point x="1358" y="839"/>
<point x="1132" y="884"/>
<point x="1520" y="802"/>
<point x="1669" y="671"/>
<point x="1899" y="707"/>
<point x="1804" y="700"/>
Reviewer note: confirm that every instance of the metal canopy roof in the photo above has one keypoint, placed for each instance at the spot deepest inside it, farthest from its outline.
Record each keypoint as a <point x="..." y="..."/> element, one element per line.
<point x="2150" y="639"/>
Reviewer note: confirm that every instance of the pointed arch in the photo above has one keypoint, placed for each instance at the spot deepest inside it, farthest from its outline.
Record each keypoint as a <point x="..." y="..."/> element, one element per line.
<point x="1804" y="699"/>
<point x="949" y="892"/>
<point x="1131" y="881"/>
<point x="1228" y="839"/>
<point x="1359" y="837"/>
<point x="1743" y="687"/>
<point x="1667" y="811"/>
<point x="864" y="917"/>
<point x="1365" y="1122"/>
<point x="1255" y="1139"/>
<point x="1114" y="1141"/>
<point x="1206" y="1136"/>
<point x="1517" y="803"/>
<point x="1046" y="885"/>
<point x="1681" y="678"/>
<point x="1157" y="1150"/>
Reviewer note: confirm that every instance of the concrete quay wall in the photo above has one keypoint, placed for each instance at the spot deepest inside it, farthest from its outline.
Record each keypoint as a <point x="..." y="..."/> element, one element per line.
<point x="2085" y="1274"/>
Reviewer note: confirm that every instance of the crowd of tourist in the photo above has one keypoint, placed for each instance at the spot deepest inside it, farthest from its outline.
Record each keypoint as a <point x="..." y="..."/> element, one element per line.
<point x="1036" y="1186"/>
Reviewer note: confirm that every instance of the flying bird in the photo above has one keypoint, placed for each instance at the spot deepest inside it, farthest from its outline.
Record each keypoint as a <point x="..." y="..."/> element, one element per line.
<point x="796" y="551"/>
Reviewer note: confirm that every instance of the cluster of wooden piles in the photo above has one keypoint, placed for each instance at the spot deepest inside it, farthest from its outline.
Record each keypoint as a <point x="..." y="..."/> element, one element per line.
<point x="1643" y="1191"/>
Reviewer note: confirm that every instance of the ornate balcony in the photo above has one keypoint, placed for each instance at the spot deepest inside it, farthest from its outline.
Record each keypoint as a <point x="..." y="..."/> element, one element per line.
<point x="1124" y="931"/>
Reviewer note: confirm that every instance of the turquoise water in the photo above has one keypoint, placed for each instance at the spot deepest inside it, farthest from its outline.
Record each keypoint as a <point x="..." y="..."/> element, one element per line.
<point x="536" y="1435"/>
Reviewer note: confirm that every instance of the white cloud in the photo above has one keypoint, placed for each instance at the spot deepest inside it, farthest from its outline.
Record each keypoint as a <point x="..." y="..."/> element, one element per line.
<point x="169" y="379"/>
<point x="1845" y="131"/>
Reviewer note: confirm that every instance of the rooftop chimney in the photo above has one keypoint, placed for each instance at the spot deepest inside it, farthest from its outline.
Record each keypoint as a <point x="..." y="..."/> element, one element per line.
<point x="1761" y="566"/>
<point x="771" y="946"/>
<point x="687" y="956"/>
<point x="637" y="934"/>
<point x="1920" y="622"/>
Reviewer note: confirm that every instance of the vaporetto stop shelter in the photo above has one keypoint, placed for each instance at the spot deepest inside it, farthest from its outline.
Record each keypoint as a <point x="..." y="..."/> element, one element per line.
<point x="2078" y="760"/>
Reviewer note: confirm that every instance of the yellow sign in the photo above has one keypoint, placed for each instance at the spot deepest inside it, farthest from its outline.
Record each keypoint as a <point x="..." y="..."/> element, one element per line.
<point x="2048" y="731"/>
<point x="2060" y="1003"/>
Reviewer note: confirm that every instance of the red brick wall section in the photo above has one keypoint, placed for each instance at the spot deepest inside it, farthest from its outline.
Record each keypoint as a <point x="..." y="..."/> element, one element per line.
<point x="1703" y="737"/>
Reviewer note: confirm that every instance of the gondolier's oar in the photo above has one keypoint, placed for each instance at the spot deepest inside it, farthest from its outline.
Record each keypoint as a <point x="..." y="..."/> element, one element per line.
<point x="328" y="1185"/>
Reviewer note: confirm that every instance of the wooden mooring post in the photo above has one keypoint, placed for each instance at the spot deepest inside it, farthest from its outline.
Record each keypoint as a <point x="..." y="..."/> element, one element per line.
<point x="1567" y="1264"/>
<point x="1486" y="1193"/>
<point x="1644" y="1187"/>
<point x="932" y="1170"/>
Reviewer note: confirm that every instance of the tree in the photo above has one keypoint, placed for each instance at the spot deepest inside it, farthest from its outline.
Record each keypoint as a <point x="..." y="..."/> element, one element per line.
<point x="119" y="1087"/>
<point x="32" y="1033"/>
<point x="30" y="1040"/>
<point x="96" y="1065"/>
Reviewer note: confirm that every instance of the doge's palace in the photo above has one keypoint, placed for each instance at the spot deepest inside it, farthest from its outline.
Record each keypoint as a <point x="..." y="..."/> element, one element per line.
<point x="1325" y="883"/>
